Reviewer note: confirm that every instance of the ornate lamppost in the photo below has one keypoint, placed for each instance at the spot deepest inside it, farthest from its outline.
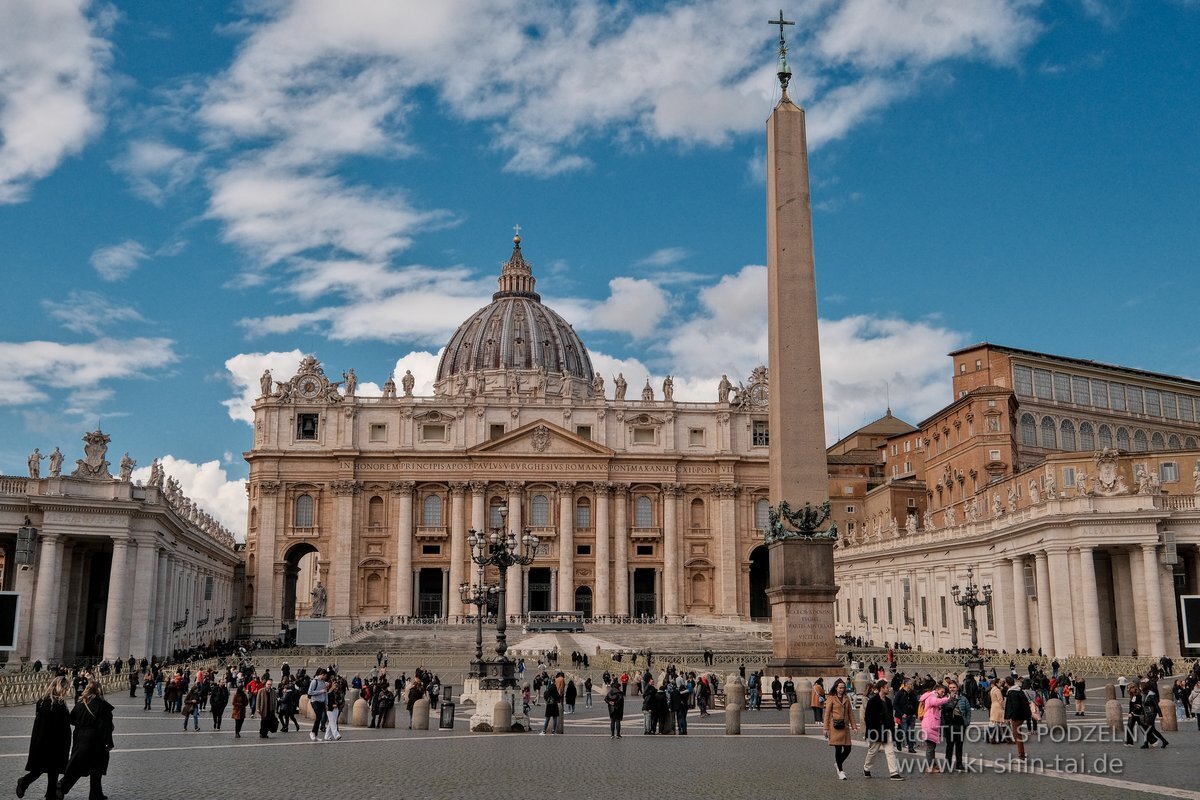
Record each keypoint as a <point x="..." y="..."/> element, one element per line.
<point x="478" y="596"/>
<point x="501" y="549"/>
<point x="971" y="598"/>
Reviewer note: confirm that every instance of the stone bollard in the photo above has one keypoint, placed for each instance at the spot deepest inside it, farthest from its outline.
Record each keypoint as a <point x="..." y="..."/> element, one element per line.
<point x="1113" y="717"/>
<point x="360" y="713"/>
<point x="796" y="720"/>
<point x="502" y="714"/>
<point x="1054" y="716"/>
<point x="735" y="691"/>
<point x="389" y="719"/>
<point x="1110" y="692"/>
<point x="420" y="718"/>
<point x="861" y="682"/>
<point x="733" y="720"/>
<point x="347" y="717"/>
<point x="1170" y="715"/>
<point x="306" y="707"/>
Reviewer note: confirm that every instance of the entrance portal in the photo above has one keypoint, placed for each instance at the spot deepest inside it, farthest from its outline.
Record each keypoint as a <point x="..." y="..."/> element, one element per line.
<point x="539" y="589"/>
<point x="760" y="562"/>
<point x="300" y="575"/>
<point x="583" y="600"/>
<point x="645" y="601"/>
<point x="429" y="593"/>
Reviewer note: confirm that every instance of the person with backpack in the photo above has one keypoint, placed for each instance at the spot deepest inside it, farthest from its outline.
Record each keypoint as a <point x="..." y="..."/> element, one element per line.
<point x="905" y="707"/>
<point x="929" y="710"/>
<point x="1150" y="715"/>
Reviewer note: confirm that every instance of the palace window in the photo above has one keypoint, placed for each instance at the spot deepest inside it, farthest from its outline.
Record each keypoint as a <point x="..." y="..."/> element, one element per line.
<point x="1049" y="431"/>
<point x="991" y="617"/>
<point x="431" y="511"/>
<point x="1134" y="395"/>
<point x="875" y="610"/>
<point x="431" y="432"/>
<point x="540" y="510"/>
<point x="1157" y="442"/>
<point x="1023" y="381"/>
<point x="1087" y="439"/>
<point x="1153" y="403"/>
<point x="696" y="437"/>
<point x="1139" y="442"/>
<point x="1028" y="430"/>
<point x="303" y="512"/>
<point x="1068" y="479"/>
<point x="1062" y="387"/>
<point x="1081" y="392"/>
<point x="1031" y="579"/>
<point x="1168" y="472"/>
<point x="583" y="431"/>
<point x="1122" y="439"/>
<point x="1190" y="443"/>
<point x="1116" y="394"/>
<point x="924" y="613"/>
<point x="762" y="514"/>
<point x="643" y="435"/>
<point x="1104" y="436"/>
<point x="208" y="588"/>
<point x="583" y="549"/>
<point x="1041" y="384"/>
<point x="431" y="549"/>
<point x="375" y="512"/>
<point x="889" y="609"/>
<point x="760" y="433"/>
<point x="306" y="426"/>
<point x="699" y="519"/>
<point x="495" y="518"/>
<point x="849" y="509"/>
<point x="942" y="608"/>
<point x="643" y="512"/>
<point x="1100" y="393"/>
<point x="1186" y="409"/>
<point x="583" y="513"/>
<point x="644" y="550"/>
<point x="495" y="430"/>
<point x="1173" y="443"/>
<point x="1067" y="435"/>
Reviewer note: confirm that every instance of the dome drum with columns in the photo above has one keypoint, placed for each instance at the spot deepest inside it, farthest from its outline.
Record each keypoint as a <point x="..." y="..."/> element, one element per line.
<point x="515" y="345"/>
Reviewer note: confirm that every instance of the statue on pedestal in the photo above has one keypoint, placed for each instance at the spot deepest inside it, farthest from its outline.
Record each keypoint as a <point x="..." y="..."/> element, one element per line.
<point x="127" y="465"/>
<point x="35" y="463"/>
<point x="264" y="383"/>
<point x="668" y="389"/>
<point x="318" y="601"/>
<point x="723" y="390"/>
<point x="621" y="385"/>
<point x="56" y="461"/>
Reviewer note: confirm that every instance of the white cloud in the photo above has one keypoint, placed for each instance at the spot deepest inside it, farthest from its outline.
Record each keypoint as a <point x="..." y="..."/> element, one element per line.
<point x="209" y="485"/>
<point x="155" y="169"/>
<point x="244" y="373"/>
<point x="118" y="261"/>
<point x="664" y="257"/>
<point x="28" y="370"/>
<point x="634" y="306"/>
<point x="52" y="62"/>
<point x="89" y="312"/>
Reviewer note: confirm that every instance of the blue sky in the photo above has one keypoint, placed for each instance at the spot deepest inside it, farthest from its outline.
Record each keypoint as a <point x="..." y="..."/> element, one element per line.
<point x="189" y="194"/>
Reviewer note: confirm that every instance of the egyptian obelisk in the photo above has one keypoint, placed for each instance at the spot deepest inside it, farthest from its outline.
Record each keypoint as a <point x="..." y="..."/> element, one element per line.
<point x="802" y="590"/>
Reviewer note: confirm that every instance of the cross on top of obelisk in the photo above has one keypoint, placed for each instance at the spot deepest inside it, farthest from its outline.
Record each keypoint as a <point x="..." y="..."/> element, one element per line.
<point x="785" y="72"/>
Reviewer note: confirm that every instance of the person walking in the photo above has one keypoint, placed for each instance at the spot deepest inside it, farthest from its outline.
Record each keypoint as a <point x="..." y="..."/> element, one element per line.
<point x="996" y="727"/>
<point x="334" y="710"/>
<point x="318" y="695"/>
<point x="218" y="699"/>
<point x="931" y="724"/>
<point x="615" y="701"/>
<point x="50" y="742"/>
<point x="238" y="714"/>
<point x="587" y="692"/>
<point x="1079" y="692"/>
<point x="956" y="718"/>
<point x="818" y="701"/>
<point x="553" y="698"/>
<point x="1194" y="702"/>
<point x="838" y="724"/>
<point x="905" y="706"/>
<point x="91" y="742"/>
<point x="1017" y="712"/>
<point x="1150" y="714"/>
<point x="267" y="705"/>
<point x="147" y="690"/>
<point x="879" y="725"/>
<point x="191" y="708"/>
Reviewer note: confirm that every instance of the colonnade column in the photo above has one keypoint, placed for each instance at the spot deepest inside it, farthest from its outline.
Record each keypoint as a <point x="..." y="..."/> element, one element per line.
<point x="340" y="591"/>
<point x="671" y="550"/>
<point x="268" y="610"/>
<point x="1090" y="601"/>
<point x="1060" y="596"/>
<point x="1154" y="600"/>
<point x="458" y="546"/>
<point x="158" y="645"/>
<point x="621" y="549"/>
<point x="116" y="622"/>
<point x="730" y="563"/>
<point x="515" y="589"/>
<point x="144" y="584"/>
<point x="403" y="492"/>
<point x="46" y="599"/>
<point x="603" y="605"/>
<point x="1045" y="607"/>
<point x="566" y="546"/>
<point x="1002" y="576"/>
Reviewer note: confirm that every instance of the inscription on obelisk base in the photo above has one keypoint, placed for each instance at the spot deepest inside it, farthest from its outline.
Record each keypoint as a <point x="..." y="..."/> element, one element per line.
<point x="802" y="596"/>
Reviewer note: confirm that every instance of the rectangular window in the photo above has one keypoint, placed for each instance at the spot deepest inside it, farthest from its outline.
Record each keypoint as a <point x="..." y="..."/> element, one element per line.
<point x="962" y="368"/>
<point x="378" y="432"/>
<point x="583" y="431"/>
<point x="978" y="364"/>
<point x="1100" y="393"/>
<point x="495" y="430"/>
<point x="908" y="466"/>
<point x="991" y="617"/>
<point x="583" y="549"/>
<point x="889" y="607"/>
<point x="924" y="614"/>
<point x="912" y="502"/>
<point x="1041" y="384"/>
<point x="1068" y="479"/>
<point x="1023" y="381"/>
<point x="1153" y="404"/>
<point x="643" y="435"/>
<point x="1082" y="394"/>
<point x="760" y="433"/>
<point x="875" y="610"/>
<point x="849" y="509"/>
<point x="645" y="549"/>
<point x="1062" y="387"/>
<point x="431" y="549"/>
<point x="1186" y="409"/>
<point x="306" y="426"/>
<point x="1116" y="394"/>
<point x="208" y="587"/>
<point x="583" y="516"/>
<point x="994" y="455"/>
<point x="847" y="490"/>
<point x="433" y="433"/>
<point x="1168" y="472"/>
<point x="1134" y="395"/>
<point x="696" y="437"/>
<point x="893" y="449"/>
<point x="942" y="609"/>
<point x="1170" y="406"/>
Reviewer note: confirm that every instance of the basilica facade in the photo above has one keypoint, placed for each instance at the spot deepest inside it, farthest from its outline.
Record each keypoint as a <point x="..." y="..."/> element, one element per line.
<point x="644" y="506"/>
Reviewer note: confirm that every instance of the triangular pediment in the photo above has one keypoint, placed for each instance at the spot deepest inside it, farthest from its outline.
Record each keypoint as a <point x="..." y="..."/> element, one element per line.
<point x="541" y="437"/>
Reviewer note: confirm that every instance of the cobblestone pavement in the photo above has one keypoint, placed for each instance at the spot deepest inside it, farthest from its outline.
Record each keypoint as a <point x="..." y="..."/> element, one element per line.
<point x="155" y="759"/>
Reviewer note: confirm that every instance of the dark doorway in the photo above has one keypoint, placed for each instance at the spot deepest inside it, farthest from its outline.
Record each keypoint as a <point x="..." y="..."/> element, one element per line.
<point x="760" y="561"/>
<point x="429" y="593"/>
<point x="645" y="602"/>
<point x="97" y="604"/>
<point x="583" y="600"/>
<point x="539" y="589"/>
<point x="291" y="573"/>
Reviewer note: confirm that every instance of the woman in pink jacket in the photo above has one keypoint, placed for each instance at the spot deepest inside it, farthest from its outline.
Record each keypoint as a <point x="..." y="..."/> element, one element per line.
<point x="931" y="724"/>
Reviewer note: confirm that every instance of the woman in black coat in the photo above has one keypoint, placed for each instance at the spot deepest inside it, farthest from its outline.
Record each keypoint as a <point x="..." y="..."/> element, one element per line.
<point x="50" y="744"/>
<point x="93" y="721"/>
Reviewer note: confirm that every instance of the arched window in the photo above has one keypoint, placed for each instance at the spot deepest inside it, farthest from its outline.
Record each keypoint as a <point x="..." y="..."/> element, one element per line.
<point x="1122" y="439"/>
<point x="1139" y="442"/>
<point x="762" y="514"/>
<point x="375" y="594"/>
<point x="1174" y="442"/>
<point x="304" y="511"/>
<point x="698" y="518"/>
<point x="583" y="513"/>
<point x="643" y="512"/>
<point x="1157" y="442"/>
<point x="539" y="510"/>
<point x="1028" y="430"/>
<point x="1067" y="431"/>
<point x="1049" y="439"/>
<point x="431" y="511"/>
<point x="375" y="512"/>
<point x="700" y="591"/>
<point x="494" y="518"/>
<point x="1190" y="443"/>
<point x="1087" y="439"/>
<point x="1105" y="436"/>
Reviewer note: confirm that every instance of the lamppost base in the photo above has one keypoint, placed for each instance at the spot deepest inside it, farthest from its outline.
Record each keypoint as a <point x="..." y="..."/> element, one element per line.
<point x="974" y="665"/>
<point x="483" y="720"/>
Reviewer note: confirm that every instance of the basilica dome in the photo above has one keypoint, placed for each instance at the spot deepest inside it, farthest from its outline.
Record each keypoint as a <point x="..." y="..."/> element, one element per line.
<point x="515" y="332"/>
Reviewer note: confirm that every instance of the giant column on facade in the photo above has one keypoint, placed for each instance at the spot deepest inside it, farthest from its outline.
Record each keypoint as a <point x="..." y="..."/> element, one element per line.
<point x="603" y="606"/>
<point x="801" y="537"/>
<point x="403" y="492"/>
<point x="621" y="549"/>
